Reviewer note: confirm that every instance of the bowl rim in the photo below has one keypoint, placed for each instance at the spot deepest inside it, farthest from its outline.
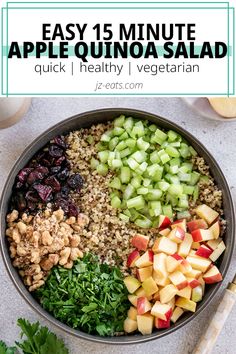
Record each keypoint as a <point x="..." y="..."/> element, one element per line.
<point x="120" y="340"/>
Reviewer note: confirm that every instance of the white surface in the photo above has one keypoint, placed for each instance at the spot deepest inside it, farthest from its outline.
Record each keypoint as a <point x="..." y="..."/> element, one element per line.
<point x="218" y="137"/>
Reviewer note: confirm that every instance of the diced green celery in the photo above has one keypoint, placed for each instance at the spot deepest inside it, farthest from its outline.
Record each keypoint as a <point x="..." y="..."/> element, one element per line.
<point x="138" y="130"/>
<point x="184" y="150"/>
<point x="183" y="201"/>
<point x="139" y="156"/>
<point x="130" y="142"/>
<point x="172" y="151"/>
<point x="195" y="176"/>
<point x="146" y="182"/>
<point x="192" y="151"/>
<point x="168" y="177"/>
<point x="142" y="145"/>
<point x="136" y="202"/>
<point x="152" y="139"/>
<point x="163" y="185"/>
<point x="184" y="177"/>
<point x="102" y="169"/>
<point x="94" y="163"/>
<point x="100" y="146"/>
<point x="174" y="169"/>
<point x="118" y="122"/>
<point x="90" y="139"/>
<point x="183" y="214"/>
<point x="175" y="189"/>
<point x="188" y="166"/>
<point x="124" y="217"/>
<point x="154" y="194"/>
<point x="106" y="137"/>
<point x="116" y="163"/>
<point x="160" y="136"/>
<point x="152" y="128"/>
<point x="175" y="162"/>
<point x="136" y="181"/>
<point x="132" y="163"/>
<point x="124" y="153"/>
<point x="124" y="136"/>
<point x="163" y="156"/>
<point x="183" y="169"/>
<point x="114" y="193"/>
<point x="167" y="210"/>
<point x="188" y="189"/>
<point x="196" y="193"/>
<point x="121" y="146"/>
<point x="117" y="131"/>
<point x="113" y="142"/>
<point x="142" y="190"/>
<point x="204" y="179"/>
<point x="103" y="155"/>
<point x="164" y="145"/>
<point x="145" y="223"/>
<point x="154" y="157"/>
<point x="152" y="169"/>
<point x="125" y="174"/>
<point x="128" y="124"/>
<point x="127" y="212"/>
<point x="115" y="202"/>
<point x="156" y="208"/>
<point x="142" y="168"/>
<point x="128" y="192"/>
<point x="173" y="200"/>
<point x="175" y="144"/>
<point x="115" y="183"/>
<point x="134" y="214"/>
<point x="174" y="179"/>
<point x="172" y="136"/>
<point x="158" y="174"/>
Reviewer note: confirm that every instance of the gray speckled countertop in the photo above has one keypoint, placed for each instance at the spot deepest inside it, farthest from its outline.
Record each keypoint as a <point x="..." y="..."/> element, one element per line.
<point x="218" y="137"/>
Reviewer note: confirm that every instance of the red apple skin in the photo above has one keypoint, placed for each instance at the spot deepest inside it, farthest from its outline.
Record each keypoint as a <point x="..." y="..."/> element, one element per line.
<point x="133" y="256"/>
<point x="181" y="222"/>
<point x="180" y="233"/>
<point x="151" y="255"/>
<point x="197" y="224"/>
<point x="194" y="283"/>
<point x="196" y="235"/>
<point x="177" y="257"/>
<point x="182" y="285"/>
<point x="161" y="323"/>
<point x="140" y="242"/>
<point x="213" y="279"/>
<point x="141" y="305"/>
<point x="164" y="222"/>
<point x="204" y="252"/>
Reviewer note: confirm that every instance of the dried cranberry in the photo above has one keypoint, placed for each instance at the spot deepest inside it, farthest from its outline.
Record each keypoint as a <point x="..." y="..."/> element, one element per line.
<point x="55" y="151"/>
<point x="63" y="204"/>
<point x="37" y="174"/>
<point x="32" y="196"/>
<point x="43" y="191"/>
<point x="20" y="202"/>
<point x="59" y="161"/>
<point x="60" y="141"/>
<point x="73" y="210"/>
<point x="23" y="174"/>
<point x="31" y="205"/>
<point x="65" y="191"/>
<point x="19" y="185"/>
<point x="75" y="181"/>
<point x="63" y="175"/>
<point x="53" y="182"/>
<point x="55" y="169"/>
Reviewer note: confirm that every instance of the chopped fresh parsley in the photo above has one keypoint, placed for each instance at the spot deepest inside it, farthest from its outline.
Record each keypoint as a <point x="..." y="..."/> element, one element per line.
<point x="6" y="350"/>
<point x="91" y="296"/>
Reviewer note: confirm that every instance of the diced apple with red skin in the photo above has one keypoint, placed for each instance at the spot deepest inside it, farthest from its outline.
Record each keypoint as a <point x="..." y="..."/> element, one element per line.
<point x="143" y="305"/>
<point x="218" y="251"/>
<point x="186" y="304"/>
<point x="204" y="251"/>
<point x="132" y="258"/>
<point x="167" y="293"/>
<point x="185" y="267"/>
<point x="145" y="323"/>
<point x="144" y="273"/>
<point x="133" y="299"/>
<point x="149" y="286"/>
<point x="212" y="276"/>
<point x="185" y="245"/>
<point x="176" y="314"/>
<point x="164" y="244"/>
<point x="215" y="229"/>
<point x="172" y="262"/>
<point x="185" y="292"/>
<point x="196" y="245"/>
<point x="164" y="232"/>
<point x="159" y="264"/>
<point x="206" y="213"/>
<point x="158" y="323"/>
<point x="132" y="284"/>
<point x="202" y="282"/>
<point x="197" y="224"/>
<point x="145" y="260"/>
<point x="197" y="294"/>
<point x="132" y="313"/>
<point x="162" y="311"/>
<point x="177" y="235"/>
<point x="141" y="292"/>
<point x="171" y="303"/>
<point x="164" y="222"/>
<point x="179" y="223"/>
<point x="140" y="242"/>
<point x="178" y="279"/>
<point x="214" y="243"/>
<point x="200" y="235"/>
<point x="130" y="325"/>
<point x="199" y="263"/>
<point x="193" y="283"/>
<point x="194" y="273"/>
<point x="160" y="280"/>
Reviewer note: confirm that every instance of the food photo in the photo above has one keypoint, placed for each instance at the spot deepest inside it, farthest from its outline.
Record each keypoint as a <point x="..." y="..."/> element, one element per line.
<point x="117" y="223"/>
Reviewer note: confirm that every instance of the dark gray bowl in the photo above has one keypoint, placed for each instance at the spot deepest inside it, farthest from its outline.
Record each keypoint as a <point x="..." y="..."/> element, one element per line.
<point x="85" y="120"/>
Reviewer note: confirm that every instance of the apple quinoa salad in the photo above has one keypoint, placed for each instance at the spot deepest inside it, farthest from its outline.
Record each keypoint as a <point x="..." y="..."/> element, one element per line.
<point x="117" y="228"/>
